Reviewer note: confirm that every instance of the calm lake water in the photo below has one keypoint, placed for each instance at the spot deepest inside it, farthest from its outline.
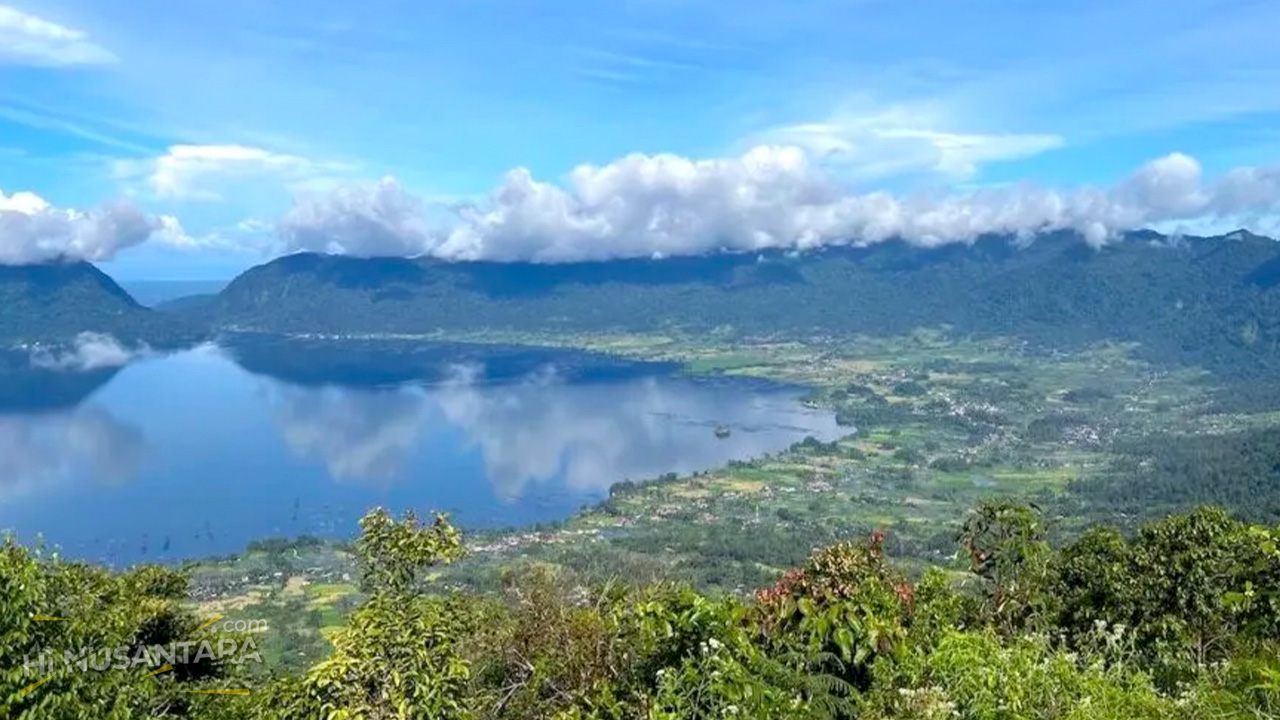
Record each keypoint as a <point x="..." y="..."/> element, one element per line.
<point x="197" y="453"/>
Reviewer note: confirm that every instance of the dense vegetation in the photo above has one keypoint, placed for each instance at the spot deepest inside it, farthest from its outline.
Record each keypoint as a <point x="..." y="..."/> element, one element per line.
<point x="54" y="302"/>
<point x="1239" y="470"/>
<point x="1182" y="619"/>
<point x="1211" y="302"/>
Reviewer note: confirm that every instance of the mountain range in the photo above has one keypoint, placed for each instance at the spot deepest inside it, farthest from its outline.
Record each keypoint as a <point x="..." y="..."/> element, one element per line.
<point x="1209" y="301"/>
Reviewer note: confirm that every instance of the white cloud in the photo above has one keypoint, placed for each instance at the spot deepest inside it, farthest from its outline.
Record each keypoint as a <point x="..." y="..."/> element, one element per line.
<point x="32" y="231"/>
<point x="29" y="40"/>
<point x="92" y="351"/>
<point x="170" y="232"/>
<point x="769" y="197"/>
<point x="212" y="172"/>
<point x="900" y="141"/>
<point x="240" y="237"/>
<point x="378" y="219"/>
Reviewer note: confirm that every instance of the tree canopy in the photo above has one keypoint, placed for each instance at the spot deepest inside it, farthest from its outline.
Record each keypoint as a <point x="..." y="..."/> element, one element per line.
<point x="1181" y="619"/>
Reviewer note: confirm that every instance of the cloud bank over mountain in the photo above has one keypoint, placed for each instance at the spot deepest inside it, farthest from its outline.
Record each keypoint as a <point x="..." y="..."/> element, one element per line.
<point x="771" y="197"/>
<point x="33" y="231"/>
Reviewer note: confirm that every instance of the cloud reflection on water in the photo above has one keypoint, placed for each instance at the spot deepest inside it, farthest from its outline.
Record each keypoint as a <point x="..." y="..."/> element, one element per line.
<point x="358" y="434"/>
<point x="540" y="430"/>
<point x="45" y="449"/>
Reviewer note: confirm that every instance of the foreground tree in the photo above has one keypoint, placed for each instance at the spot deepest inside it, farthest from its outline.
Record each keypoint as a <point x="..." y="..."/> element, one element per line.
<point x="76" y="642"/>
<point x="1178" y="621"/>
<point x="397" y="657"/>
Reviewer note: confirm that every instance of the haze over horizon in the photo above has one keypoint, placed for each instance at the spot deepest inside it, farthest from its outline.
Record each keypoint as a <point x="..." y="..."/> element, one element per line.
<point x="193" y="143"/>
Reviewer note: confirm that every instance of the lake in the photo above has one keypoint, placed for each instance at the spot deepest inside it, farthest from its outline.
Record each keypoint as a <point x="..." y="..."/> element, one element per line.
<point x="194" y="454"/>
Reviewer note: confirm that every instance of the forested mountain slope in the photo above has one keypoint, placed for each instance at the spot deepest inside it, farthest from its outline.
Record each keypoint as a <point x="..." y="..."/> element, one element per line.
<point x="54" y="302"/>
<point x="1207" y="301"/>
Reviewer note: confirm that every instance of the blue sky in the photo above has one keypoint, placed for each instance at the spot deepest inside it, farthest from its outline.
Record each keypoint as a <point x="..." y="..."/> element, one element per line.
<point x="215" y="116"/>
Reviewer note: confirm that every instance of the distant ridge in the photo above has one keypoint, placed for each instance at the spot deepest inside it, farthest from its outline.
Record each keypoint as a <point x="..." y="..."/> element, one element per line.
<point x="1210" y="301"/>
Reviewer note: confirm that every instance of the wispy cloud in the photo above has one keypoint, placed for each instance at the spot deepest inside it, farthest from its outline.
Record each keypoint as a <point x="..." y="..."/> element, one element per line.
<point x="26" y="39"/>
<point x="629" y="68"/>
<point x="897" y="141"/>
<point x="49" y="120"/>
<point x="1106" y="69"/>
<point x="210" y="172"/>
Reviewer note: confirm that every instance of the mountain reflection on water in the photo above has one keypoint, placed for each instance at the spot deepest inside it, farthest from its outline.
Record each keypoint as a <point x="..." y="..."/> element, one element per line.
<point x="197" y="453"/>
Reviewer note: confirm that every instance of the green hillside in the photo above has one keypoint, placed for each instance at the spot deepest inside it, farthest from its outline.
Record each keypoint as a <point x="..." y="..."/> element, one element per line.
<point x="1212" y="302"/>
<point x="53" y="302"/>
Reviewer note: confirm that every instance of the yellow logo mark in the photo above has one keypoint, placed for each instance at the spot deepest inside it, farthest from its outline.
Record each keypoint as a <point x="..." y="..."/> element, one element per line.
<point x="27" y="690"/>
<point x="212" y="620"/>
<point x="166" y="668"/>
